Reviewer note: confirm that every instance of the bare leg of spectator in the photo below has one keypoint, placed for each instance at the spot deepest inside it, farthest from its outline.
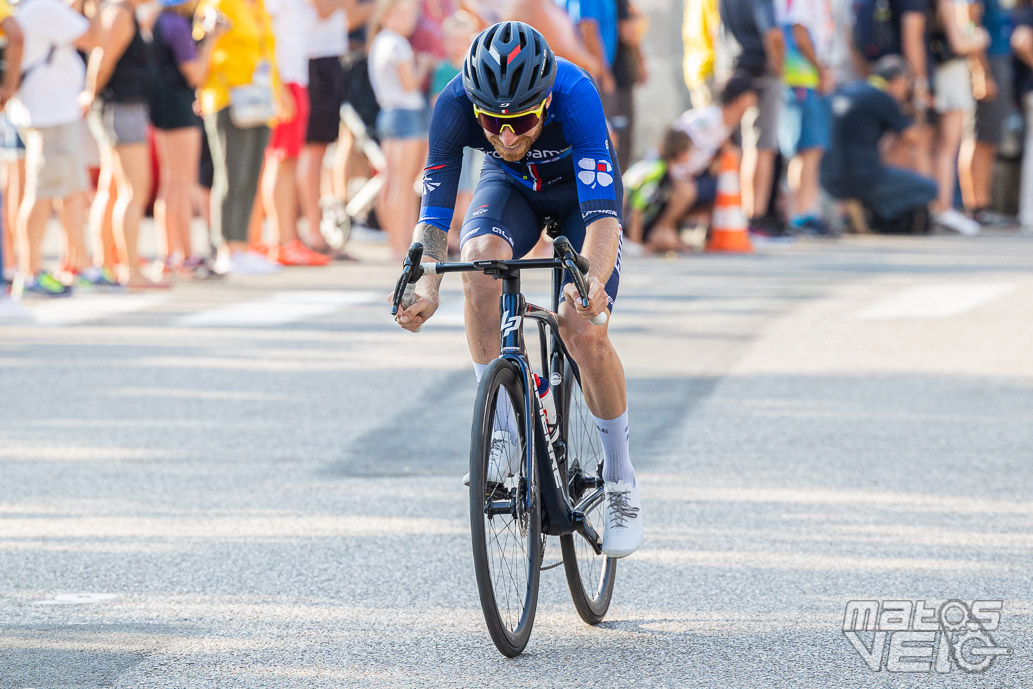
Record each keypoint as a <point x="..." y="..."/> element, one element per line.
<point x="14" y="193"/>
<point x="975" y="171"/>
<point x="132" y="168"/>
<point x="345" y="164"/>
<point x="280" y="197"/>
<point x="349" y="162"/>
<point x="256" y="221"/>
<point x="758" y="171"/>
<point x="203" y="201"/>
<point x="946" y="160"/>
<point x="72" y="210"/>
<point x="310" y="177"/>
<point x="179" y="151"/>
<point x="396" y="206"/>
<point x="100" y="220"/>
<point x="803" y="181"/>
<point x="32" y="225"/>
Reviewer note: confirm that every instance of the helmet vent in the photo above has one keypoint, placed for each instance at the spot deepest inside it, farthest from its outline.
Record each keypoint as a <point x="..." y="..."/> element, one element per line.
<point x="493" y="84"/>
<point x="518" y="74"/>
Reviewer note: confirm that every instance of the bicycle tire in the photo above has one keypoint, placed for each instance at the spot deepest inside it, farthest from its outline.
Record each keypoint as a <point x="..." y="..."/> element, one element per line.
<point x="590" y="576"/>
<point x="508" y="600"/>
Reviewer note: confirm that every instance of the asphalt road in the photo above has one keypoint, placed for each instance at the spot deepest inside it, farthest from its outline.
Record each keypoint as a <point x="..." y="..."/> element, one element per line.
<point x="256" y="483"/>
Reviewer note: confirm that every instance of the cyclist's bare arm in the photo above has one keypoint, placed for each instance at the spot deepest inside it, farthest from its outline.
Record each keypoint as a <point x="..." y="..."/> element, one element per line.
<point x="602" y="239"/>
<point x="435" y="249"/>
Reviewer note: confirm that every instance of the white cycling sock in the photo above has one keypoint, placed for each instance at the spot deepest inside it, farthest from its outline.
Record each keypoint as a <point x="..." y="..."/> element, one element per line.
<point x="614" y="436"/>
<point x="503" y="405"/>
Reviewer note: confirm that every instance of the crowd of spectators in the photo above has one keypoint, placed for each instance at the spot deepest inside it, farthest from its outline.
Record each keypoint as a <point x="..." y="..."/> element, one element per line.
<point x="890" y="112"/>
<point x="882" y="115"/>
<point x="227" y="110"/>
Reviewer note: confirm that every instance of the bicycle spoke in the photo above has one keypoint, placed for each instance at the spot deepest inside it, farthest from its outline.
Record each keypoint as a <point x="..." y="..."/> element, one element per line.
<point x="508" y="552"/>
<point x="591" y="580"/>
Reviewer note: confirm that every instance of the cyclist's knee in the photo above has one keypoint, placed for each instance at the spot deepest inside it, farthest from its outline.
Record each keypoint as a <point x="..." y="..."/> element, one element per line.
<point x="481" y="290"/>
<point x="486" y="247"/>
<point x="584" y="341"/>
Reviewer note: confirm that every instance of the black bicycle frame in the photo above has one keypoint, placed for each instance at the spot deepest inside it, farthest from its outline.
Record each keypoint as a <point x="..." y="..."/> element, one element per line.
<point x="559" y="516"/>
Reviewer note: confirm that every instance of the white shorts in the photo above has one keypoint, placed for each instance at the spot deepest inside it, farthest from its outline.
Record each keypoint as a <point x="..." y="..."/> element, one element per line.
<point x="953" y="84"/>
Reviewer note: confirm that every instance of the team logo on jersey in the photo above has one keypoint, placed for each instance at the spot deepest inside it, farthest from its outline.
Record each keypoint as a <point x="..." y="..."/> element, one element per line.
<point x="481" y="210"/>
<point x="595" y="172"/>
<point x="429" y="186"/>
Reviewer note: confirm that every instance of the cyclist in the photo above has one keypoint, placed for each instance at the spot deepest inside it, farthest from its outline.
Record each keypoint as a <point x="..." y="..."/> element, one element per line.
<point x="540" y="122"/>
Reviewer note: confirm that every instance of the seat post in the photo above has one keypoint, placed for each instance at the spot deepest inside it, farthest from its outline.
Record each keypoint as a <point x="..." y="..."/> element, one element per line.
<point x="552" y="227"/>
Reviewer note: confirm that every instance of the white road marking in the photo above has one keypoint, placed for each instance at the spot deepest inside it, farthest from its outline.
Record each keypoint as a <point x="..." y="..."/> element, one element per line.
<point x="78" y="599"/>
<point x="936" y="301"/>
<point x="280" y="308"/>
<point x="82" y="308"/>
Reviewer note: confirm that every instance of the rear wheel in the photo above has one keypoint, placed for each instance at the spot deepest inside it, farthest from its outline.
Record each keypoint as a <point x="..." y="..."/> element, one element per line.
<point x="505" y="519"/>
<point x="590" y="576"/>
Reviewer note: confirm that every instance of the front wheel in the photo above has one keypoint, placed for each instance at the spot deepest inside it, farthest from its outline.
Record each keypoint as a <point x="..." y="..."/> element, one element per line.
<point x="590" y="576"/>
<point x="505" y="521"/>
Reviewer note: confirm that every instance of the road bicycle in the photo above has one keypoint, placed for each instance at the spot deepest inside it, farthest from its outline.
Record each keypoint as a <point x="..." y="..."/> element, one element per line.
<point x="557" y="489"/>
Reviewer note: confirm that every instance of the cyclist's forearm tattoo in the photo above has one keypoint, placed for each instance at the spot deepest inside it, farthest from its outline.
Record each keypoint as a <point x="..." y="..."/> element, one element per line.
<point x="435" y="248"/>
<point x="434" y="240"/>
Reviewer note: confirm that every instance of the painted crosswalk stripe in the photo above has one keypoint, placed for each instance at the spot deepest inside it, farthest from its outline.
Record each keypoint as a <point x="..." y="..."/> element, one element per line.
<point x="937" y="301"/>
<point x="280" y="308"/>
<point x="91" y="307"/>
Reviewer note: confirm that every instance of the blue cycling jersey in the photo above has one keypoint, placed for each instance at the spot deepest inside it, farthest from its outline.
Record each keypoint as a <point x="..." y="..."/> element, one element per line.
<point x="573" y="147"/>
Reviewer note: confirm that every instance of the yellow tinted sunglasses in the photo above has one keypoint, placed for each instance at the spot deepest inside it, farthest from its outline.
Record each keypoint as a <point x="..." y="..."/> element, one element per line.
<point x="518" y="123"/>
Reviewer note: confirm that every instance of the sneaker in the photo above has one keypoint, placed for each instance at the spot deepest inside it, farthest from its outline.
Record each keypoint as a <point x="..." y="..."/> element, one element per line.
<point x="769" y="227"/>
<point x="811" y="226"/>
<point x="44" y="285"/>
<point x="200" y="268"/>
<point x="98" y="277"/>
<point x="251" y="263"/>
<point x="623" y="534"/>
<point x="503" y="459"/>
<point x="990" y="218"/>
<point x="297" y="254"/>
<point x="951" y="219"/>
<point x="262" y="249"/>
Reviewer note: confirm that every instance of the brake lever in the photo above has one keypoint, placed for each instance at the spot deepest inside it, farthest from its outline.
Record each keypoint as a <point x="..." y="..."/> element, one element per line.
<point x="400" y="288"/>
<point x="412" y="271"/>
<point x="577" y="266"/>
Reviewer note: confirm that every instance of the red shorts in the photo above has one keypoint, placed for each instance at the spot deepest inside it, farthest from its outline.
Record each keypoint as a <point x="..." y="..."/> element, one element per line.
<point x="289" y="137"/>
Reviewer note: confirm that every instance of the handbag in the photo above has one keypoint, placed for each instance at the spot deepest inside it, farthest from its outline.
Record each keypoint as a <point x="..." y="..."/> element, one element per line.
<point x="252" y="105"/>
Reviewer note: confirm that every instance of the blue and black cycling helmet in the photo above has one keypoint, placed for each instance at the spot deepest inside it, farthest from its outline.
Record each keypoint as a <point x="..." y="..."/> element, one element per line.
<point x="509" y="68"/>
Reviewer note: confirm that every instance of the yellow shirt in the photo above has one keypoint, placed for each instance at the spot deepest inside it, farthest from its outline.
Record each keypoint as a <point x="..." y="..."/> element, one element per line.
<point x="699" y="30"/>
<point x="238" y="52"/>
<point x="5" y="12"/>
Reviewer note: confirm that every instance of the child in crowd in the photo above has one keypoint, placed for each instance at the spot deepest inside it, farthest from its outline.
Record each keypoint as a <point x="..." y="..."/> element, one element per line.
<point x="661" y="194"/>
<point x="665" y="190"/>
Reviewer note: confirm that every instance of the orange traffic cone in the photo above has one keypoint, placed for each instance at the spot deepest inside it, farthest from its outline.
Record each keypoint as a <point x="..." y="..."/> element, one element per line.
<point x="728" y="228"/>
